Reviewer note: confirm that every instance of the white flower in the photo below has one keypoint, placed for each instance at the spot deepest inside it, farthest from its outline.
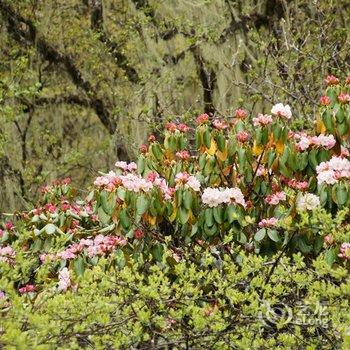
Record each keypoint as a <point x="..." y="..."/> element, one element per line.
<point x="64" y="279"/>
<point x="281" y="110"/>
<point x="216" y="196"/>
<point x="307" y="201"/>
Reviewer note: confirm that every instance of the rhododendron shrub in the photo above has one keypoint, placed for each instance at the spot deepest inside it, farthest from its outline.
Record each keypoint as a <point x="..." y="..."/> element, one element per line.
<point x="225" y="177"/>
<point x="247" y="180"/>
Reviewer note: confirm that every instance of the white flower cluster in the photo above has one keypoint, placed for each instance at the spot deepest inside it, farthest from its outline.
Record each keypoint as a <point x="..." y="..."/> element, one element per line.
<point x="282" y="110"/>
<point x="307" y="201"/>
<point x="331" y="172"/>
<point x="216" y="196"/>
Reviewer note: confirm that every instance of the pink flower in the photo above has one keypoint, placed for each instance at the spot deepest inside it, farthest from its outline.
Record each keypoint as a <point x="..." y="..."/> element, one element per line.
<point x="171" y="127"/>
<point x="276" y="198"/>
<point x="138" y="234"/>
<point x="125" y="166"/>
<point x="242" y="136"/>
<point x="303" y="144"/>
<point x="328" y="240"/>
<point x="241" y="113"/>
<point x="183" y="127"/>
<point x="203" y="118"/>
<point x="151" y="138"/>
<point x="262" y="120"/>
<point x="344" y="98"/>
<point x="51" y="208"/>
<point x="331" y="80"/>
<point x="344" y="152"/>
<point x="344" y="252"/>
<point x="136" y="183"/>
<point x="281" y="110"/>
<point x="325" y="100"/>
<point x="28" y="288"/>
<point x="269" y="222"/>
<point x="183" y="155"/>
<point x="298" y="185"/>
<point x="66" y="181"/>
<point x="220" y="125"/>
<point x="9" y="225"/>
<point x="7" y="254"/>
<point x="187" y="180"/>
<point x="143" y="148"/>
<point x="2" y="295"/>
<point x="262" y="171"/>
<point x="324" y="141"/>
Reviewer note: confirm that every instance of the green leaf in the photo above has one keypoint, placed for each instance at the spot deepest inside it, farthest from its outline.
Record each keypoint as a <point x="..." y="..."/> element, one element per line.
<point x="221" y="142"/>
<point x="102" y="216"/>
<point x="157" y="151"/>
<point x="209" y="219"/>
<point x="207" y="138"/>
<point x="198" y="139"/>
<point x="330" y="256"/>
<point x="303" y="246"/>
<point x="183" y="215"/>
<point x="50" y="229"/>
<point x="79" y="266"/>
<point x="141" y="204"/>
<point x="141" y="164"/>
<point x="187" y="199"/>
<point x="124" y="219"/>
<point x="218" y="214"/>
<point x="260" y="235"/>
<point x="273" y="234"/>
<point x="158" y="251"/>
<point x="341" y="194"/>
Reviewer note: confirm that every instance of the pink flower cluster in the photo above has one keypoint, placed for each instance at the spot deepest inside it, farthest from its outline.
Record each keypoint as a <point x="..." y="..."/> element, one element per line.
<point x="297" y="185"/>
<point x="28" y="288"/>
<point x="281" y="110"/>
<point x="220" y="125"/>
<point x="242" y="136"/>
<point x="269" y="222"/>
<point x="56" y="183"/>
<point x="276" y="198"/>
<point x="216" y="196"/>
<point x="262" y="120"/>
<point x="305" y="141"/>
<point x="183" y="155"/>
<point x="344" y="252"/>
<point x="325" y="100"/>
<point x="331" y="172"/>
<point x="331" y="80"/>
<point x="160" y="182"/>
<point x="7" y="254"/>
<point x="344" y="98"/>
<point x="203" y="118"/>
<point x="136" y="183"/>
<point x="98" y="246"/>
<point x="172" y="127"/>
<point x="188" y="181"/>
<point x="241" y="113"/>
<point x="109" y="181"/>
<point x="125" y="166"/>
